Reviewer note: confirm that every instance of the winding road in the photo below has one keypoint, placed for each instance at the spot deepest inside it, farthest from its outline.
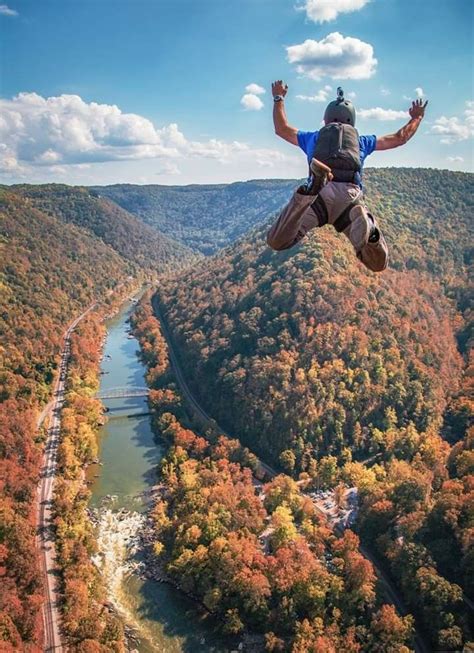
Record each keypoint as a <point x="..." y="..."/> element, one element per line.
<point x="44" y="517"/>
<point x="390" y="591"/>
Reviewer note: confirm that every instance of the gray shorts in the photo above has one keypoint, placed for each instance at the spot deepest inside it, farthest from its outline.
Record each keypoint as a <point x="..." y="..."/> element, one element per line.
<point x="303" y="213"/>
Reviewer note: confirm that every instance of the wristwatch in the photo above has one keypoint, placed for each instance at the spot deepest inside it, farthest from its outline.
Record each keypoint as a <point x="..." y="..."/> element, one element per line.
<point x="278" y="98"/>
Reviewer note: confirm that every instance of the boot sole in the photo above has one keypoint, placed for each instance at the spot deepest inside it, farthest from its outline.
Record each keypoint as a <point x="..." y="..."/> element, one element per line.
<point x="319" y="168"/>
<point x="360" y="229"/>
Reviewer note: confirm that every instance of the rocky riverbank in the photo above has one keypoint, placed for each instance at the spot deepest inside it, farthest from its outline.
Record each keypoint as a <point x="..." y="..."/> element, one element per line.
<point x="125" y="539"/>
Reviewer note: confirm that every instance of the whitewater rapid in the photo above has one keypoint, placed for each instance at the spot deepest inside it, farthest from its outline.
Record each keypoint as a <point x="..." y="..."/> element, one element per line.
<point x="118" y="543"/>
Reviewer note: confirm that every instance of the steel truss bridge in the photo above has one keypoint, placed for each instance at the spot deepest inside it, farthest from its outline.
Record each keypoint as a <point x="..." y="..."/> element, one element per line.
<point x="119" y="393"/>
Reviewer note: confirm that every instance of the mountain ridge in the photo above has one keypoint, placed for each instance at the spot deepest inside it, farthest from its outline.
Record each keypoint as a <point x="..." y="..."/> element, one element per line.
<point x="239" y="206"/>
<point x="124" y="232"/>
<point x="339" y="375"/>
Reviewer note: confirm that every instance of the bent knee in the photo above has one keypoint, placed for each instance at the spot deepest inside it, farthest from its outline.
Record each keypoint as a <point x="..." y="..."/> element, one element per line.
<point x="276" y="244"/>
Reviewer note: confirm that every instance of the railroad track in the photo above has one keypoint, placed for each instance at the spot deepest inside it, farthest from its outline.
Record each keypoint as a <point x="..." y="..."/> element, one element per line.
<point x="44" y="517"/>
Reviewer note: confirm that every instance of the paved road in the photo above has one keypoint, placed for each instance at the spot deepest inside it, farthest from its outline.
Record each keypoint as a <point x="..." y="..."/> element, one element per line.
<point x="45" y="530"/>
<point x="390" y="591"/>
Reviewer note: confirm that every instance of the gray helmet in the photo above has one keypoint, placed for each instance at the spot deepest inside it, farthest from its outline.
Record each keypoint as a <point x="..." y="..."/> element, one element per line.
<point x="340" y="110"/>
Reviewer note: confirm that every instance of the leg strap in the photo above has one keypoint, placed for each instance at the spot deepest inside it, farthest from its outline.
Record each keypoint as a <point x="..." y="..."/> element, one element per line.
<point x="319" y="207"/>
<point x="343" y="220"/>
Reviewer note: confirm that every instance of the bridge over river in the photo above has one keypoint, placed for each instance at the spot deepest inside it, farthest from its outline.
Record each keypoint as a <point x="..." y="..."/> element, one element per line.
<point x="118" y="393"/>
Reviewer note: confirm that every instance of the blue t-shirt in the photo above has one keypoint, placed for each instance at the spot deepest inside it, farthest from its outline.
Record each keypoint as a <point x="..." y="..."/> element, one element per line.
<point x="307" y="141"/>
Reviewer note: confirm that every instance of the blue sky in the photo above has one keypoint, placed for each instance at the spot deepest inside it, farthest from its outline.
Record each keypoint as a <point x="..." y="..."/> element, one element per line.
<point x="150" y="91"/>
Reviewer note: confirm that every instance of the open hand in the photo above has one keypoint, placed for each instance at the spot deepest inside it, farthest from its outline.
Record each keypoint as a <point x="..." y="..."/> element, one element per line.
<point x="417" y="109"/>
<point x="279" y="88"/>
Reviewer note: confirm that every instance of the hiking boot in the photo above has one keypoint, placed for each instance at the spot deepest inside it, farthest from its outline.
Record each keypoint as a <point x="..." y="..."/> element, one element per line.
<point x="374" y="235"/>
<point x="361" y="228"/>
<point x="320" y="175"/>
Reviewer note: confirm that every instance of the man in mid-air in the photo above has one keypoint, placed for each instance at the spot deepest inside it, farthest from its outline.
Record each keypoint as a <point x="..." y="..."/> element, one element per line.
<point x="333" y="191"/>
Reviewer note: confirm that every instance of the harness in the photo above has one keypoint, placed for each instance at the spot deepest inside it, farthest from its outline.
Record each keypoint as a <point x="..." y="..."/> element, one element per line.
<point x="338" y="147"/>
<point x="342" y="221"/>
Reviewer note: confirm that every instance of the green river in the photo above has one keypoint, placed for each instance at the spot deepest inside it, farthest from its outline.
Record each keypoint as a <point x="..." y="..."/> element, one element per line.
<point x="165" y="620"/>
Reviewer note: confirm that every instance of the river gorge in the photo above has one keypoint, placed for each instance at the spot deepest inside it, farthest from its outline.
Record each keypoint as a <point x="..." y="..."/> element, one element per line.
<point x="164" y="620"/>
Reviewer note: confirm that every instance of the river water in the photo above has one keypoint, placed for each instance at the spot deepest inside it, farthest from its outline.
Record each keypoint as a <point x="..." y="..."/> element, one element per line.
<point x="166" y="621"/>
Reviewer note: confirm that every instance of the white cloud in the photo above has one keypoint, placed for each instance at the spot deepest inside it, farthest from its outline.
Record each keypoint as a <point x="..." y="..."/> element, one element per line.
<point x="216" y="149"/>
<point x="455" y="159"/>
<point x="384" y="91"/>
<point x="8" y="161"/>
<point x="40" y="137"/>
<point x="168" y="169"/>
<point x="352" y="95"/>
<point x="270" y="158"/>
<point x="321" y="96"/>
<point x="334" y="56"/>
<point x="43" y="131"/>
<point x="321" y="11"/>
<point x="251" y="102"/>
<point x="49" y="157"/>
<point x="455" y="129"/>
<point x="419" y="92"/>
<point x="255" y="89"/>
<point x="6" y="11"/>
<point x="377" y="113"/>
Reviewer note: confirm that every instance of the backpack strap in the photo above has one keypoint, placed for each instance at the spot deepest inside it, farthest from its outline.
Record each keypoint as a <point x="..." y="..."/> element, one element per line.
<point x="347" y="176"/>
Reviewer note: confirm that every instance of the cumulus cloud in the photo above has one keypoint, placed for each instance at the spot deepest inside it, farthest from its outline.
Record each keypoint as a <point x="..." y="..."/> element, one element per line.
<point x="455" y="129"/>
<point x="384" y="91"/>
<point x="419" y="92"/>
<point x="65" y="133"/>
<point x="377" y="113"/>
<point x="334" y="56"/>
<point x="6" y="11"/>
<point x="321" y="11"/>
<point x="269" y="158"/>
<point x="455" y="159"/>
<point x="67" y="130"/>
<point x="251" y="102"/>
<point x="255" y="89"/>
<point x="169" y="169"/>
<point x="321" y="96"/>
<point x="216" y="149"/>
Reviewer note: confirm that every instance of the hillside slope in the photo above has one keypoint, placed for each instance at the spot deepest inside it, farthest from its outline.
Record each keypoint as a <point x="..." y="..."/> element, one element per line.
<point x="129" y="236"/>
<point x="316" y="363"/>
<point x="61" y="248"/>
<point x="208" y="217"/>
<point x="249" y="306"/>
<point x="203" y="217"/>
<point x="49" y="272"/>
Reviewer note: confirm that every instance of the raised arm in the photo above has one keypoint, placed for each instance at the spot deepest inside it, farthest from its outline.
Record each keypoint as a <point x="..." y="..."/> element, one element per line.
<point x="417" y="112"/>
<point x="282" y="128"/>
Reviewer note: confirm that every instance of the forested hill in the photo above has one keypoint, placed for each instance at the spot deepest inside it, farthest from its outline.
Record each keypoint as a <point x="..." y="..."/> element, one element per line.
<point x="60" y="250"/>
<point x="209" y="217"/>
<point x="248" y="304"/>
<point x="204" y="217"/>
<point x="129" y="236"/>
<point x="345" y="375"/>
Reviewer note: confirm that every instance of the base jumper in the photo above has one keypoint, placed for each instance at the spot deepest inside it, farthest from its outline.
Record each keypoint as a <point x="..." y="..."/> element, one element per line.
<point x="333" y="192"/>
